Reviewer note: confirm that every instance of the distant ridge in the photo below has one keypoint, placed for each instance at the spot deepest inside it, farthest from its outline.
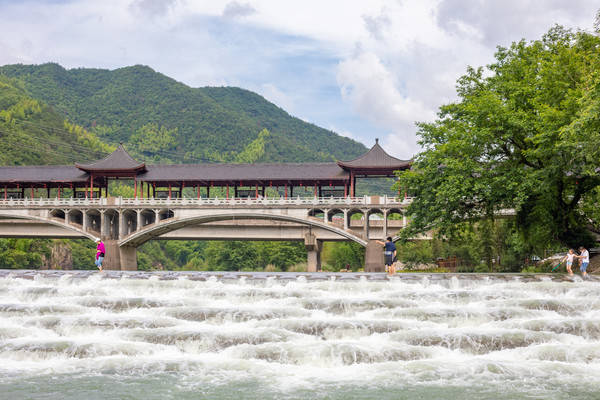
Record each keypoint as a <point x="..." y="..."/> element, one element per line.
<point x="162" y="120"/>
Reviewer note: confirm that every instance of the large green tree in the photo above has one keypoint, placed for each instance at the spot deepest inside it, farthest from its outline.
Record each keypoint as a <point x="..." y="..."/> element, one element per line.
<point x="524" y="135"/>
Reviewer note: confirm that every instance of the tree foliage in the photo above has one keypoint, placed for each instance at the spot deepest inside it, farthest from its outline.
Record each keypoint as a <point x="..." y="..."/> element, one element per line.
<point x="523" y="136"/>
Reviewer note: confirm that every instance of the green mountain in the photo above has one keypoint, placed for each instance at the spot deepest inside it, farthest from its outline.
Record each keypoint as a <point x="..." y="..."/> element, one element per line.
<point x="31" y="132"/>
<point x="136" y="105"/>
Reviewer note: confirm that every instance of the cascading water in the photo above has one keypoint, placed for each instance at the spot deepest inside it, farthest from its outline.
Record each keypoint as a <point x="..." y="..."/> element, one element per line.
<point x="194" y="335"/>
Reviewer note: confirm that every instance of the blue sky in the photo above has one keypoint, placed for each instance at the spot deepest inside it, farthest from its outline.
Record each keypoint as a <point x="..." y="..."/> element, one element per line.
<point x="364" y="69"/>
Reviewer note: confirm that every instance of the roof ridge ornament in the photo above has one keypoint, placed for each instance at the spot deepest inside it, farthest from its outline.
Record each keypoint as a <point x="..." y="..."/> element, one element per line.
<point x="119" y="161"/>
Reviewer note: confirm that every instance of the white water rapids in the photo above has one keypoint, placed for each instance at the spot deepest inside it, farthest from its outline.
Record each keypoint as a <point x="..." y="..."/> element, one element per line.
<point x="192" y="335"/>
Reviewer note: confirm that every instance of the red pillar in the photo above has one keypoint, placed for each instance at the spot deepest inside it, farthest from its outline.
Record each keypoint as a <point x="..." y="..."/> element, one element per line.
<point x="134" y="188"/>
<point x="351" y="184"/>
<point x="169" y="190"/>
<point x="315" y="190"/>
<point x="345" y="190"/>
<point x="286" y="191"/>
<point x="142" y="189"/>
<point x="256" y="191"/>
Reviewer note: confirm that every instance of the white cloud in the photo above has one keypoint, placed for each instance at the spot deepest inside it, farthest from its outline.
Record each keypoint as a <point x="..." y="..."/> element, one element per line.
<point x="373" y="92"/>
<point x="238" y="10"/>
<point x="275" y="95"/>
<point x="366" y="67"/>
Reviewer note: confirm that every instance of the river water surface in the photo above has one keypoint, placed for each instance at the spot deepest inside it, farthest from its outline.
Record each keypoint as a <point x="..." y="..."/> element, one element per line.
<point x="197" y="335"/>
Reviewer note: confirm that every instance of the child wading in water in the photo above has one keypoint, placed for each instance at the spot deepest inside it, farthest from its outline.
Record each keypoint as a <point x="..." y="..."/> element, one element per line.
<point x="99" y="254"/>
<point x="569" y="257"/>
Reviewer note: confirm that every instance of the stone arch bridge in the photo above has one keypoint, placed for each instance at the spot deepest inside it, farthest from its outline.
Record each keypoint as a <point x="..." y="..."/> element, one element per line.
<point x="124" y="224"/>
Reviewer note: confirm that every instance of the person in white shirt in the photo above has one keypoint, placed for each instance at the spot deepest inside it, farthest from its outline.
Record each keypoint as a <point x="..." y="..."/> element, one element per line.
<point x="584" y="255"/>
<point x="569" y="258"/>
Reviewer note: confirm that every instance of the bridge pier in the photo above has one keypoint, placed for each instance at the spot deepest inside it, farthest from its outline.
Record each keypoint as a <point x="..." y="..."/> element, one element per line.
<point x="374" y="257"/>
<point x="128" y="256"/>
<point x="313" y="256"/>
<point x="120" y="258"/>
<point x="112" y="258"/>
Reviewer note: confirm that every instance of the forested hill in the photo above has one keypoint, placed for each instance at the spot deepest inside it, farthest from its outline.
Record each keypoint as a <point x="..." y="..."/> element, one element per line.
<point x="31" y="132"/>
<point x="164" y="120"/>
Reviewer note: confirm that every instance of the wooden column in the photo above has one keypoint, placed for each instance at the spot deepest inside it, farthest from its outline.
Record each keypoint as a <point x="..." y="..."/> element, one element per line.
<point x="5" y="193"/>
<point x="315" y="190"/>
<point x="198" y="191"/>
<point x="92" y="186"/>
<point x="32" y="192"/>
<point x="59" y="189"/>
<point x="169" y="191"/>
<point x="351" y="184"/>
<point x="345" y="190"/>
<point x="134" y="188"/>
<point x="256" y="191"/>
<point x="227" y="192"/>
<point x="208" y="191"/>
<point x="286" y="193"/>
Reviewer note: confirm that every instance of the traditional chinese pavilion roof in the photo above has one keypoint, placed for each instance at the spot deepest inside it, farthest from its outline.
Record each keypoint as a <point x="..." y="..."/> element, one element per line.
<point x="375" y="160"/>
<point x="246" y="173"/>
<point x="41" y="173"/>
<point x="119" y="161"/>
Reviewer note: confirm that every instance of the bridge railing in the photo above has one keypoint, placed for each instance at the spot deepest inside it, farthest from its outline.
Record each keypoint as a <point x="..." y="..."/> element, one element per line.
<point x="212" y="201"/>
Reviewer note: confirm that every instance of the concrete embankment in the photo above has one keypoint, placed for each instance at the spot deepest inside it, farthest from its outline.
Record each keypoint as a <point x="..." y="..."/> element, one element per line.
<point x="283" y="276"/>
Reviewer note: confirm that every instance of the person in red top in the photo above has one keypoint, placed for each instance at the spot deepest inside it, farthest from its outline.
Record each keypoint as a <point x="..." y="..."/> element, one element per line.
<point x="99" y="253"/>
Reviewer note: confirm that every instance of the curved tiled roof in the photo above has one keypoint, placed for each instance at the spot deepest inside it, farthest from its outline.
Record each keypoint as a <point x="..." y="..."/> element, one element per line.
<point x="118" y="160"/>
<point x="376" y="159"/>
<point x="245" y="172"/>
<point x="42" y="173"/>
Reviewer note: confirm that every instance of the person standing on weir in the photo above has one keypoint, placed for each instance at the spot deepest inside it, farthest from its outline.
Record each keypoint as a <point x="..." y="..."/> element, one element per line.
<point x="585" y="260"/>
<point x="99" y="253"/>
<point x="390" y="255"/>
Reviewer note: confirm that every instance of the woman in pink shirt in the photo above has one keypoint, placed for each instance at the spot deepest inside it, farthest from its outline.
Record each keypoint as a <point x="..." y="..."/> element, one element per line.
<point x="99" y="253"/>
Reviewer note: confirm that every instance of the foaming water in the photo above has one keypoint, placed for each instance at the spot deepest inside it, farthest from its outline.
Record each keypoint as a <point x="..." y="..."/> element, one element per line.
<point x="189" y="335"/>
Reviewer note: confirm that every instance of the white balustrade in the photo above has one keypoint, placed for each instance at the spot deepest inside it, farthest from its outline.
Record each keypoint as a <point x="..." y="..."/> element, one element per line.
<point x="190" y="201"/>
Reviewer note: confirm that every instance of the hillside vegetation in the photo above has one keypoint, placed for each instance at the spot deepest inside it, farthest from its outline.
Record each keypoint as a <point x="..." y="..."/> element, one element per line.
<point x="203" y="124"/>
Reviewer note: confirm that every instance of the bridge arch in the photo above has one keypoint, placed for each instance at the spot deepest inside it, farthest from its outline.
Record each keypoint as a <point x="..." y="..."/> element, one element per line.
<point x="49" y="221"/>
<point x="148" y="233"/>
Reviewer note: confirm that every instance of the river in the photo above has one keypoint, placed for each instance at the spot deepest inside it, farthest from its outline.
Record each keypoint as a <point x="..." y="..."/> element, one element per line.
<point x="86" y="335"/>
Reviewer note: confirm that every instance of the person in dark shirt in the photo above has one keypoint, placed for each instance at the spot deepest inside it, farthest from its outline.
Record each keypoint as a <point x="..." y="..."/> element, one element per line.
<point x="390" y="255"/>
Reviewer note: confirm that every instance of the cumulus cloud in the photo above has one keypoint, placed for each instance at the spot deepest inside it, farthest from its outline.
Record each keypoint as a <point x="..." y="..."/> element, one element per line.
<point x="376" y="25"/>
<point x="237" y="10"/>
<point x="371" y="68"/>
<point x="496" y="22"/>
<point x="373" y="91"/>
<point x="152" y="8"/>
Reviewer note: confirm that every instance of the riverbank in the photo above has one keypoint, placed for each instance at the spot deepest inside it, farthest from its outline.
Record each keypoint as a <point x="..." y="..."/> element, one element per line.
<point x="292" y="276"/>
